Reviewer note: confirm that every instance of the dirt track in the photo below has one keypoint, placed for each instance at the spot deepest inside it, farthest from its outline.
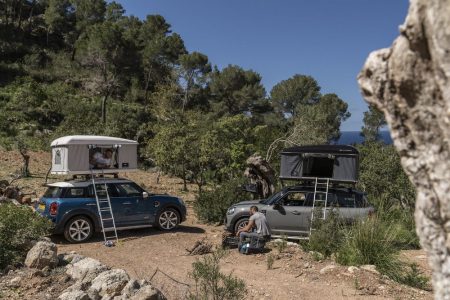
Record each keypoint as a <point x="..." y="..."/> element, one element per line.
<point x="141" y="252"/>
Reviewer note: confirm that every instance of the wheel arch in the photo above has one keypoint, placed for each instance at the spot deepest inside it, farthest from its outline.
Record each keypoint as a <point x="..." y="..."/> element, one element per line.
<point x="82" y="213"/>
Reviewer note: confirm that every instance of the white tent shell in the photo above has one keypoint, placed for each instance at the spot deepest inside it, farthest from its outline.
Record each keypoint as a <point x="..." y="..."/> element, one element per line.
<point x="71" y="154"/>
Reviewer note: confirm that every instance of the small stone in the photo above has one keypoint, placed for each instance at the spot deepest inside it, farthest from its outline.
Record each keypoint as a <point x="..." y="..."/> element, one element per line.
<point x="352" y="269"/>
<point x="327" y="269"/>
<point x="15" y="281"/>
<point x="370" y="268"/>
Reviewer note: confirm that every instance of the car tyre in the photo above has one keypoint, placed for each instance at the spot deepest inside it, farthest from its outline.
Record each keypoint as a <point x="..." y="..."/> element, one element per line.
<point x="168" y="219"/>
<point x="79" y="229"/>
<point x="241" y="223"/>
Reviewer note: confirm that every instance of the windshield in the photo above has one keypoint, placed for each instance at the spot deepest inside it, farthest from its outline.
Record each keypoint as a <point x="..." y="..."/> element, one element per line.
<point x="53" y="192"/>
<point x="272" y="198"/>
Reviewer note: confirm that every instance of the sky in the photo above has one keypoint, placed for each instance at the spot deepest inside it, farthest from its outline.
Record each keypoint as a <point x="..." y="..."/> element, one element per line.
<point x="327" y="39"/>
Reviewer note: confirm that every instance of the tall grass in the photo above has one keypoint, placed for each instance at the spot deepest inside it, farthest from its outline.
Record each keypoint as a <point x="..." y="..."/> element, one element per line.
<point x="373" y="241"/>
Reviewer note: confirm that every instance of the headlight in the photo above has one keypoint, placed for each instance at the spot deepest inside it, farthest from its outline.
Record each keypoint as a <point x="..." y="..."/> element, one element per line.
<point x="231" y="210"/>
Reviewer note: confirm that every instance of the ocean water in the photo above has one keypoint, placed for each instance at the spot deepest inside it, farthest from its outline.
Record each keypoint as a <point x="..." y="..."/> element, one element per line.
<point x="355" y="137"/>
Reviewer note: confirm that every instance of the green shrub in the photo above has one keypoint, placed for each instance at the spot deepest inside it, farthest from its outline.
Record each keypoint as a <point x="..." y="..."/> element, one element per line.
<point x="369" y="242"/>
<point x="18" y="226"/>
<point x="211" y="205"/>
<point x="327" y="235"/>
<point x="210" y="283"/>
<point x="375" y="242"/>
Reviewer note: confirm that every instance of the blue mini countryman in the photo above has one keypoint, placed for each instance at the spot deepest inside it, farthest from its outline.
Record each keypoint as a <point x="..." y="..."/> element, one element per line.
<point x="72" y="207"/>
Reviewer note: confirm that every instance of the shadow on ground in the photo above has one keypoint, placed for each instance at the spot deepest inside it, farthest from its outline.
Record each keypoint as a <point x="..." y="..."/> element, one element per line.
<point x="132" y="234"/>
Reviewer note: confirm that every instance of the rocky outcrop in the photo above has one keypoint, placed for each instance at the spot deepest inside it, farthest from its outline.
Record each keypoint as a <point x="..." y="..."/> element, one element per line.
<point x="89" y="279"/>
<point x="42" y="255"/>
<point x="410" y="83"/>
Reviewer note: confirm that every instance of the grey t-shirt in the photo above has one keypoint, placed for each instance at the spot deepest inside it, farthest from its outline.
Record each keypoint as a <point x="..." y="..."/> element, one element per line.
<point x="262" y="227"/>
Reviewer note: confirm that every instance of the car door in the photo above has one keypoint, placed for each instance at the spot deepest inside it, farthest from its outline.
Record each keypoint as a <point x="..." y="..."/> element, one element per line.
<point x="116" y="203"/>
<point x="346" y="206"/>
<point x="318" y="207"/>
<point x="136" y="208"/>
<point x="286" y="216"/>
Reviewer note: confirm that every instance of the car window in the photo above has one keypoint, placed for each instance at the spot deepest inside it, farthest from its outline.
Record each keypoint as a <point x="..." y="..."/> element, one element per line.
<point x="294" y="199"/>
<point x="321" y="198"/>
<point x="112" y="190"/>
<point x="361" y="201"/>
<point x="53" y="192"/>
<point x="75" y="192"/>
<point x="346" y="200"/>
<point x="129" y="189"/>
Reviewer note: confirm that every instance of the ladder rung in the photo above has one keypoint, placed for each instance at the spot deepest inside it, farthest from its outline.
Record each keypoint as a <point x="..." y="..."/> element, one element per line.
<point x="105" y="209"/>
<point x="107" y="219"/>
<point x="111" y="237"/>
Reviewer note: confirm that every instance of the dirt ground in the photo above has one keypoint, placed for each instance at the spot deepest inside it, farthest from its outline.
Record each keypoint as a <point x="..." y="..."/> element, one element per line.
<point x="162" y="257"/>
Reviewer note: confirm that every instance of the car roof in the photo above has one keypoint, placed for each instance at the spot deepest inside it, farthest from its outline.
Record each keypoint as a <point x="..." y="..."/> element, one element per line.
<point x="84" y="183"/>
<point x="311" y="188"/>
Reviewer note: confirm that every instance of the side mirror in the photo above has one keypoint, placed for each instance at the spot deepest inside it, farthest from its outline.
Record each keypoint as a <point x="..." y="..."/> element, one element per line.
<point x="144" y="194"/>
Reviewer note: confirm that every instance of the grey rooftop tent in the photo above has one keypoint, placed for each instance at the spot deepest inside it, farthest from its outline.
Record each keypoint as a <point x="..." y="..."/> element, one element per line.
<point x="83" y="154"/>
<point x="339" y="163"/>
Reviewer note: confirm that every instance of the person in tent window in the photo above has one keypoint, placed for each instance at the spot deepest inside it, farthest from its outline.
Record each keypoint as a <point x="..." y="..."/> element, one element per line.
<point x="100" y="160"/>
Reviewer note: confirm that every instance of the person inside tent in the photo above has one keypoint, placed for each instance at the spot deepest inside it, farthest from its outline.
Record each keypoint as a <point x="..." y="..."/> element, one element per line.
<point x="100" y="160"/>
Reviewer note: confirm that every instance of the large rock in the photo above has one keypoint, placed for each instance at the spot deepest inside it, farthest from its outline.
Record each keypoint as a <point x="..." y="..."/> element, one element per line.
<point x="86" y="269"/>
<point x="110" y="283"/>
<point x="74" y="295"/>
<point x="43" y="254"/>
<point x="410" y="83"/>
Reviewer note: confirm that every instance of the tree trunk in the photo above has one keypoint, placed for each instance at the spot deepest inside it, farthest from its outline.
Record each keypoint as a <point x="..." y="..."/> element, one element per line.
<point x="105" y="98"/>
<point x="410" y="83"/>
<point x="26" y="161"/>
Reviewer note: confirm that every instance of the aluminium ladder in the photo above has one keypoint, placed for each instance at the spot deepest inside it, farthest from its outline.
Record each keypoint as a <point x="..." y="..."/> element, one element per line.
<point x="319" y="207"/>
<point x="105" y="211"/>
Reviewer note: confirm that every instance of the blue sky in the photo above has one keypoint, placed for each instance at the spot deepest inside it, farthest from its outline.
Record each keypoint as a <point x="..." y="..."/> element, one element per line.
<point x="327" y="39"/>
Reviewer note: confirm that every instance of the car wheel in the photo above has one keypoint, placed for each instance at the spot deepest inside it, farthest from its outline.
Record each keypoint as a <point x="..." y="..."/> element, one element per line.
<point x="78" y="229"/>
<point x="241" y="223"/>
<point x="168" y="219"/>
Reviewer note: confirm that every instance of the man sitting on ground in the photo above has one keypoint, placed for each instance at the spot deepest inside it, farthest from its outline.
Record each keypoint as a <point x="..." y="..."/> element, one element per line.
<point x="257" y="220"/>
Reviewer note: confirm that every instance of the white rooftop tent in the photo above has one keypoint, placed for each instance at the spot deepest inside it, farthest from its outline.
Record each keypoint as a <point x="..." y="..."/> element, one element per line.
<point x="83" y="154"/>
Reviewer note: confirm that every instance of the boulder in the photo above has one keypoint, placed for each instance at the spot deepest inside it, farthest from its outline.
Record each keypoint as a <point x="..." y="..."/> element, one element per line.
<point x="43" y="254"/>
<point x="148" y="293"/>
<point x="352" y="269"/>
<point x="74" y="295"/>
<point x="86" y="269"/>
<point x="110" y="283"/>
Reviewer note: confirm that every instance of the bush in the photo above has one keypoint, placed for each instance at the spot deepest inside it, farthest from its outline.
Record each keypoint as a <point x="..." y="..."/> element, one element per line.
<point x="327" y="235"/>
<point x="211" y="205"/>
<point x="375" y="242"/>
<point x="369" y="242"/>
<point x="18" y="226"/>
<point x="210" y="283"/>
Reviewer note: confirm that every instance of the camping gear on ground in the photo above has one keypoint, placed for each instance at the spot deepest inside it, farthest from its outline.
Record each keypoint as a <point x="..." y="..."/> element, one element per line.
<point x="81" y="154"/>
<point x="339" y="163"/>
<point x="254" y="244"/>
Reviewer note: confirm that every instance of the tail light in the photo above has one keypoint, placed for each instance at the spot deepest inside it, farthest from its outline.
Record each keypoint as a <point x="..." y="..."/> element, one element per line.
<point x="53" y="208"/>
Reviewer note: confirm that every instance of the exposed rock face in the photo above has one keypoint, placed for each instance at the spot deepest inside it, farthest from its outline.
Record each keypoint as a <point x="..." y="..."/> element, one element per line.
<point x="86" y="269"/>
<point x="43" y="254"/>
<point x="110" y="283"/>
<point x="410" y="83"/>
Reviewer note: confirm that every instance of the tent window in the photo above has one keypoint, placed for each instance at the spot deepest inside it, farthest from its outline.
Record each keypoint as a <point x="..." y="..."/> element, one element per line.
<point x="57" y="157"/>
<point x="318" y="167"/>
<point x="103" y="157"/>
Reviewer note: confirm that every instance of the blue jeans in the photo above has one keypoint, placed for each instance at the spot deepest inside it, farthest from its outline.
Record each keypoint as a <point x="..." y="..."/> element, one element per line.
<point x="244" y="235"/>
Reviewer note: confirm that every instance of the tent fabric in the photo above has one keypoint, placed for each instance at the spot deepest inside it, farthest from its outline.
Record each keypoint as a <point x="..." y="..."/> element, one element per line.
<point x="336" y="162"/>
<point x="91" y="140"/>
<point x="327" y="149"/>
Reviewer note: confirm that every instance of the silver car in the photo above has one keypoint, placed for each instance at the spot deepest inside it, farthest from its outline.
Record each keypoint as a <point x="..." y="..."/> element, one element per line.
<point x="289" y="211"/>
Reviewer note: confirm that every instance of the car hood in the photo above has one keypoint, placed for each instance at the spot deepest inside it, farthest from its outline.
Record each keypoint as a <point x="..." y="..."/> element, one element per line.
<point x="249" y="203"/>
